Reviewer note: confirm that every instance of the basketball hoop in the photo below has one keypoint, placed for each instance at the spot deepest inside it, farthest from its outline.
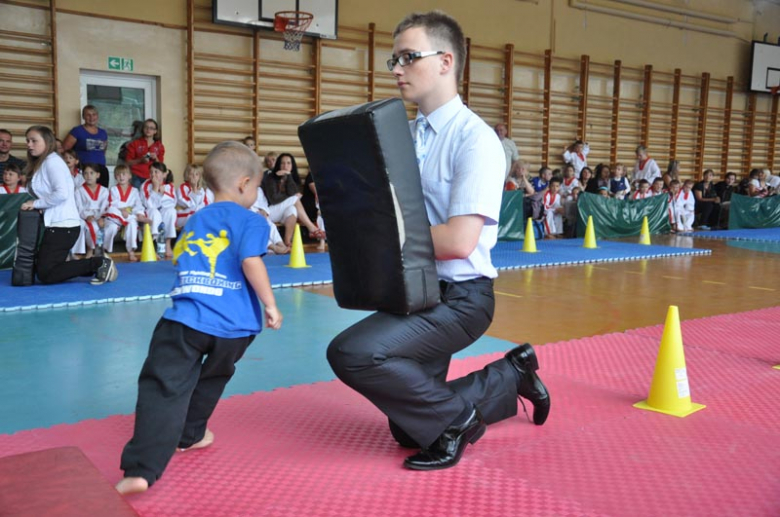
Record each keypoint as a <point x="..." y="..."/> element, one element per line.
<point x="292" y="24"/>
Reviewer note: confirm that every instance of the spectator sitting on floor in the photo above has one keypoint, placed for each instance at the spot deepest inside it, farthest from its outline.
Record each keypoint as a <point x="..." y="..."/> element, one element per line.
<point x="585" y="175"/>
<point x="568" y="198"/>
<point x="92" y="203"/>
<point x="757" y="186"/>
<point x="657" y="188"/>
<point x="772" y="182"/>
<point x="602" y="179"/>
<point x="619" y="186"/>
<point x="518" y="178"/>
<point x="285" y="207"/>
<point x="725" y="189"/>
<point x="124" y="206"/>
<point x="192" y="195"/>
<point x="686" y="203"/>
<point x="276" y="245"/>
<point x="74" y="166"/>
<point x="672" y="173"/>
<point x="553" y="210"/>
<point x="540" y="185"/>
<point x="707" y="201"/>
<point x="6" y="158"/>
<point x="643" y="190"/>
<point x="674" y="193"/>
<point x="269" y="161"/>
<point x="159" y="199"/>
<point x="12" y="180"/>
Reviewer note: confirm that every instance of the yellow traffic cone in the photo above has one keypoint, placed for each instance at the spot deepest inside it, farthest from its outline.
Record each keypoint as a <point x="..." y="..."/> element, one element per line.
<point x="297" y="257"/>
<point x="529" y="244"/>
<point x="148" y="253"/>
<point x="669" y="392"/>
<point x="644" y="236"/>
<point x="590" y="235"/>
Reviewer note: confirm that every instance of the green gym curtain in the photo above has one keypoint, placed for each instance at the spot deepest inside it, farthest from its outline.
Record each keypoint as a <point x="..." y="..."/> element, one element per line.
<point x="750" y="212"/>
<point x="510" y="222"/>
<point x="614" y="218"/>
<point x="9" y="209"/>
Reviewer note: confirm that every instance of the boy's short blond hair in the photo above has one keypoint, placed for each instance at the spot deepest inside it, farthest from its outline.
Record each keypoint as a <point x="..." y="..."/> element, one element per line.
<point x="120" y="169"/>
<point x="228" y="162"/>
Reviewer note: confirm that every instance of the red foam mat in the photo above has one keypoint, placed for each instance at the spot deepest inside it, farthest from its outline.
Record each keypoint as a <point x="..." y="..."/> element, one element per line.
<point x="322" y="450"/>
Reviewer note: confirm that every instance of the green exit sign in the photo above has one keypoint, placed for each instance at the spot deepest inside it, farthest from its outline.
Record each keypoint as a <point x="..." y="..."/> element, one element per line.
<point x="125" y="64"/>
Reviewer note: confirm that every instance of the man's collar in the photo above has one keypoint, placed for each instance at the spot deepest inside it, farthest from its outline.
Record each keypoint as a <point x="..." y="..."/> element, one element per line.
<point x="444" y="113"/>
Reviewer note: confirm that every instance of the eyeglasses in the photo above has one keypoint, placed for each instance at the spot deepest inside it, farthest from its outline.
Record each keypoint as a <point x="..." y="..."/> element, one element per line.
<point x="409" y="57"/>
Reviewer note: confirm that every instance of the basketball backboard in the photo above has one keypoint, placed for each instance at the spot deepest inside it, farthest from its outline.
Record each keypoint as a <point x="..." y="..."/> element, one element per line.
<point x="260" y="14"/>
<point x="765" y="68"/>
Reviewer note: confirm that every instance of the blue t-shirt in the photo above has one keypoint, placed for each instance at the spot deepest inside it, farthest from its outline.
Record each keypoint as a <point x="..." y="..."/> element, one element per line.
<point x="211" y="293"/>
<point x="90" y="148"/>
<point x="539" y="184"/>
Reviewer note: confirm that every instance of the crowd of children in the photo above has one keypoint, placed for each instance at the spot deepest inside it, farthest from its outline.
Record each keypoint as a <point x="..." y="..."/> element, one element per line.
<point x="551" y="198"/>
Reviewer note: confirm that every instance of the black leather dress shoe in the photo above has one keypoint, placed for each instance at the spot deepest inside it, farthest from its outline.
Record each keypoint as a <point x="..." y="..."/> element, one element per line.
<point x="446" y="451"/>
<point x="530" y="386"/>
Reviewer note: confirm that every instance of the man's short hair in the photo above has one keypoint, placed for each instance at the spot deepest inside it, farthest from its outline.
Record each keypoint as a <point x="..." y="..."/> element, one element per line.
<point x="731" y="174"/>
<point x="227" y="162"/>
<point x="5" y="131"/>
<point x="644" y="182"/>
<point x="441" y="28"/>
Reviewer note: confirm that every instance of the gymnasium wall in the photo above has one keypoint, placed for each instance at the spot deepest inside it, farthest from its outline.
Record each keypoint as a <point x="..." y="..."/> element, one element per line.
<point x="669" y="76"/>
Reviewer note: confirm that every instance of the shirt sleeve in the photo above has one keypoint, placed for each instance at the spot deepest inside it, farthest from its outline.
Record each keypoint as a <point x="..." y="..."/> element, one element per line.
<point x="254" y="238"/>
<point x="478" y="179"/>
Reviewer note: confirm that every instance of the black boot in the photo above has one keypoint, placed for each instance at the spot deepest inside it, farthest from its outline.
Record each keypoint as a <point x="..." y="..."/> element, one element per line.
<point x="446" y="451"/>
<point x="529" y="386"/>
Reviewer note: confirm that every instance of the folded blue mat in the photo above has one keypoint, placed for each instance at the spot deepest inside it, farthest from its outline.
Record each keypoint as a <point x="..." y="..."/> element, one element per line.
<point x="757" y="234"/>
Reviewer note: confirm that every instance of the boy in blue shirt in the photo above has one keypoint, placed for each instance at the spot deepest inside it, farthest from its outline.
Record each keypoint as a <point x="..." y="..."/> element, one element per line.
<point x="215" y="314"/>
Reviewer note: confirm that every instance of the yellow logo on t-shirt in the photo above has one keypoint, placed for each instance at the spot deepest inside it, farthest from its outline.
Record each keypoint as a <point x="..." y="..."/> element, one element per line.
<point x="211" y="247"/>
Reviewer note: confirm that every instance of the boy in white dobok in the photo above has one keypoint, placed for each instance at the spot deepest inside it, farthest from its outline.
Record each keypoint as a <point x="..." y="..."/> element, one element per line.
<point x="553" y="209"/>
<point x="124" y="205"/>
<point x="91" y="202"/>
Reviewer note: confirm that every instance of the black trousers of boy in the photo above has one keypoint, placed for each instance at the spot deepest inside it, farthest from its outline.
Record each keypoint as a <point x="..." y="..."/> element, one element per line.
<point x="400" y="363"/>
<point x="177" y="393"/>
<point x="52" y="259"/>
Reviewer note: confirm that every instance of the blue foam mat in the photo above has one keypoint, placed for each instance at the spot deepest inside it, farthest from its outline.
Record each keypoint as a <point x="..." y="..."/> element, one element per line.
<point x="757" y="234"/>
<point x="153" y="280"/>
<point x="565" y="252"/>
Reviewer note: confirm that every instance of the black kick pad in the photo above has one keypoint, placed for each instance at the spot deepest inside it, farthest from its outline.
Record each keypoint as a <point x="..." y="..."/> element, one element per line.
<point x="28" y="227"/>
<point x="365" y="170"/>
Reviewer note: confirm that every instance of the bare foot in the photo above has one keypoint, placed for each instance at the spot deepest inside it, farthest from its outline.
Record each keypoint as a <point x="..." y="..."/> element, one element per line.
<point x="208" y="439"/>
<point x="321" y="245"/>
<point x="132" y="485"/>
<point x="131" y="256"/>
<point x="89" y="254"/>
